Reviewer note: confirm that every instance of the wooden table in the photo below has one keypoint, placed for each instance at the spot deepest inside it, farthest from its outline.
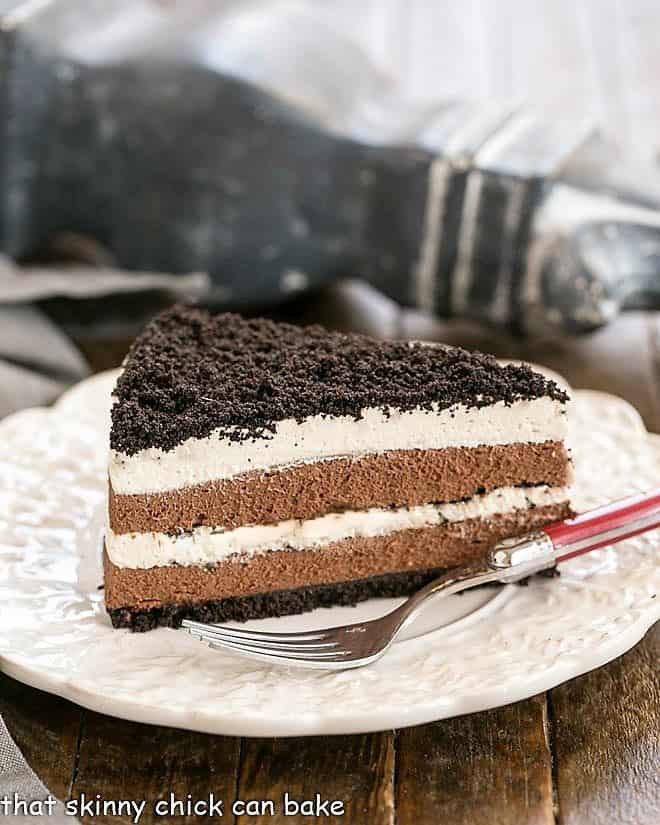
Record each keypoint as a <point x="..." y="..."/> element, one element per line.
<point x="585" y="753"/>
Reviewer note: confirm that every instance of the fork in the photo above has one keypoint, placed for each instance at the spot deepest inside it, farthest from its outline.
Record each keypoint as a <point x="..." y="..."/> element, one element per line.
<point x="513" y="559"/>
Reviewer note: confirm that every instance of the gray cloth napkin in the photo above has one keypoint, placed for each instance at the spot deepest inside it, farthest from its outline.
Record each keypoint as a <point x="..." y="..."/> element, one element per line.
<point x="37" y="360"/>
<point x="18" y="782"/>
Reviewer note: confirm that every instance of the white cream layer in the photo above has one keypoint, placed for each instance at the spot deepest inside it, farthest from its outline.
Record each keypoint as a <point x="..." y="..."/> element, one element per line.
<point x="318" y="438"/>
<point x="207" y="545"/>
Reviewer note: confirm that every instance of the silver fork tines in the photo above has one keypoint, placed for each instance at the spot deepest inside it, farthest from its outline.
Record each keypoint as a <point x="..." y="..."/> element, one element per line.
<point x="355" y="645"/>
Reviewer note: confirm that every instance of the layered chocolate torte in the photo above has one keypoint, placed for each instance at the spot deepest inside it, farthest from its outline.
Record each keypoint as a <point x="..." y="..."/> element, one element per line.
<point x="259" y="469"/>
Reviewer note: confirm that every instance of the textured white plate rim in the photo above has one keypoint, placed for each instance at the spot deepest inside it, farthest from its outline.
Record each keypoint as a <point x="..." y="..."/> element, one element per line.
<point x="313" y="723"/>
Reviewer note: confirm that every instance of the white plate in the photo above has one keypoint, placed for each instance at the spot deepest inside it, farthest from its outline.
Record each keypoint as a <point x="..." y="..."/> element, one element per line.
<point x="55" y="635"/>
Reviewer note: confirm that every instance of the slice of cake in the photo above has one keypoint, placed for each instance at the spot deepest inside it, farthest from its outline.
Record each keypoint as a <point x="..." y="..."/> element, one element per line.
<point x="259" y="469"/>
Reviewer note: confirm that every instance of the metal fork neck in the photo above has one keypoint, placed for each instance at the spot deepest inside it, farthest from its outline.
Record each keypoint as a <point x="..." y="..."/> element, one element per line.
<point x="516" y="558"/>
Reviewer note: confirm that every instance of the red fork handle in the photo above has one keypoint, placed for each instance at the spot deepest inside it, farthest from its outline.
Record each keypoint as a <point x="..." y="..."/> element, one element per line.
<point x="605" y="525"/>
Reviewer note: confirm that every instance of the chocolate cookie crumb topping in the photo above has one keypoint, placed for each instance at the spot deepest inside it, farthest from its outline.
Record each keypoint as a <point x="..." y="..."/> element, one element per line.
<point x="191" y="372"/>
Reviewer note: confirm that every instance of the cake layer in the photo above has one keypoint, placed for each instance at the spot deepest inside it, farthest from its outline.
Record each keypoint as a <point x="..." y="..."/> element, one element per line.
<point x="208" y="545"/>
<point x="131" y="591"/>
<point x="399" y="478"/>
<point x="219" y="456"/>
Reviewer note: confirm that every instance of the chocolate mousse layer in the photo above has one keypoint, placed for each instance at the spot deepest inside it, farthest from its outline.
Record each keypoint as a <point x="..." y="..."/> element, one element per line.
<point x="399" y="478"/>
<point x="283" y="582"/>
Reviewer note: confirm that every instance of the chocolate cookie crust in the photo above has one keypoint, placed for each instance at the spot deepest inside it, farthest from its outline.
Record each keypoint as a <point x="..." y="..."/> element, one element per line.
<point x="192" y="372"/>
<point x="275" y="603"/>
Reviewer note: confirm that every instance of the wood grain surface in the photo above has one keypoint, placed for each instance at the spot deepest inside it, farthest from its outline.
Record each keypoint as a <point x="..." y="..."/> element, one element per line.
<point x="46" y="729"/>
<point x="143" y="762"/>
<point x="606" y="740"/>
<point x="355" y="770"/>
<point x="491" y="768"/>
<point x="586" y="753"/>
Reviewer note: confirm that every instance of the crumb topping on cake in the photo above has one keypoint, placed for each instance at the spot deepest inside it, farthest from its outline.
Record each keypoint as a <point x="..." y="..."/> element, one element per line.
<point x="192" y="372"/>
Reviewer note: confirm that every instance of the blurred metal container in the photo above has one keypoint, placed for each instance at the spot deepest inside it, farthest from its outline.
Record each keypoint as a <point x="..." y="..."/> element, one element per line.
<point x="146" y="127"/>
